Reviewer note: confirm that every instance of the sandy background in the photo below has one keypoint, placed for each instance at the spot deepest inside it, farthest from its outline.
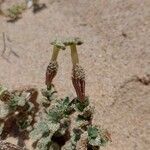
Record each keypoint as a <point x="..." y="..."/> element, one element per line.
<point x="116" y="49"/>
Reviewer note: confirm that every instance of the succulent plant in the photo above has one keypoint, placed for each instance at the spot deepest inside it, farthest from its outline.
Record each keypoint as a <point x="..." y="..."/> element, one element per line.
<point x="97" y="137"/>
<point x="49" y="95"/>
<point x="52" y="123"/>
<point x="53" y="65"/>
<point x="17" y="113"/>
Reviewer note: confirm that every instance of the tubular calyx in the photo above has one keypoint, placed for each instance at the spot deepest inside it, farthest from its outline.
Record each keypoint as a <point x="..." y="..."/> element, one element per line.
<point x="51" y="72"/>
<point x="78" y="80"/>
<point x="78" y="74"/>
<point x="53" y="65"/>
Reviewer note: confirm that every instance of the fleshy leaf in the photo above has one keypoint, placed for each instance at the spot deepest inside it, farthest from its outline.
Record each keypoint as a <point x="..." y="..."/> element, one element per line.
<point x="16" y="101"/>
<point x="95" y="142"/>
<point x="55" y="115"/>
<point x="39" y="130"/>
<point x="81" y="105"/>
<point x="53" y="127"/>
<point x="92" y="132"/>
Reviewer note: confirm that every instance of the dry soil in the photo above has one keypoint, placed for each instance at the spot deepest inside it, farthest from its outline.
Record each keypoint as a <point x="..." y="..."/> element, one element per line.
<point x="115" y="54"/>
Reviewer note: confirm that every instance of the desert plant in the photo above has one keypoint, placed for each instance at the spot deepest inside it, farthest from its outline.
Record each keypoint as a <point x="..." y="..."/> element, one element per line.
<point x="53" y="65"/>
<point x="17" y="112"/>
<point x="53" y="123"/>
<point x="14" y="12"/>
<point x="78" y="74"/>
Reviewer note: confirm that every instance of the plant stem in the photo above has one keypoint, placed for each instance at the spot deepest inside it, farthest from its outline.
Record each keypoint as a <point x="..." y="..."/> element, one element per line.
<point x="55" y="53"/>
<point x="74" y="54"/>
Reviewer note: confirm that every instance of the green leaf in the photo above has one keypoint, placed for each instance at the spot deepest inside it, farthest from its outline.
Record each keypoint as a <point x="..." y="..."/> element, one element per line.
<point x="97" y="137"/>
<point x="92" y="132"/>
<point x="81" y="105"/>
<point x="55" y="115"/>
<point x="82" y="124"/>
<point x="53" y="127"/>
<point x="64" y="106"/>
<point x="40" y="129"/>
<point x="50" y="94"/>
<point x="21" y="101"/>
<point x="35" y="135"/>
<point x="64" y="126"/>
<point x="76" y="134"/>
<point x="104" y="141"/>
<point x="95" y="142"/>
<point x="86" y="114"/>
<point x="16" y="101"/>
<point x="23" y="124"/>
<point x="60" y="110"/>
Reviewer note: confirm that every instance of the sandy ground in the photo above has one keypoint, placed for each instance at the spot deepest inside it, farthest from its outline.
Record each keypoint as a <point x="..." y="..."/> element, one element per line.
<point x="117" y="48"/>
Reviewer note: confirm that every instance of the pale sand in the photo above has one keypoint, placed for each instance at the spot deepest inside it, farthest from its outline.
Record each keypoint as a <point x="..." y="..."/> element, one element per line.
<point x="117" y="47"/>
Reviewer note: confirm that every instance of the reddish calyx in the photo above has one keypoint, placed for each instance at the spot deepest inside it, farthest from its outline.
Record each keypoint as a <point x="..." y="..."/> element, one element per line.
<point x="78" y="80"/>
<point x="51" y="72"/>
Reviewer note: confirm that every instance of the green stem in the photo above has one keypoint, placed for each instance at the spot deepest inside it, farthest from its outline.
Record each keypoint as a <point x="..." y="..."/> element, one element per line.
<point x="55" y="53"/>
<point x="74" y="54"/>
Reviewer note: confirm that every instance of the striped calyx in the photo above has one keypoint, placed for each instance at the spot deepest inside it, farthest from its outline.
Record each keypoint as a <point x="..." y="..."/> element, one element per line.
<point x="78" y="80"/>
<point x="51" y="72"/>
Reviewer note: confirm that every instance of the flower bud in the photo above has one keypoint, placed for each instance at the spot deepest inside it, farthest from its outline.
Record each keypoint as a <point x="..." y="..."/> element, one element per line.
<point x="51" y="72"/>
<point x="78" y="80"/>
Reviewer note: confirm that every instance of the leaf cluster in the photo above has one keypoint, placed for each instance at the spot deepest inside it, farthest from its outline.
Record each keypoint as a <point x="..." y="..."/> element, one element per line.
<point x="17" y="112"/>
<point x="52" y="123"/>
